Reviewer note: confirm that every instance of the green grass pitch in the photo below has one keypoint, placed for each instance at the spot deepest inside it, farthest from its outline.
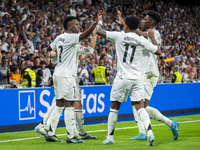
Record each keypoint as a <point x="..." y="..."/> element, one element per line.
<point x="189" y="138"/>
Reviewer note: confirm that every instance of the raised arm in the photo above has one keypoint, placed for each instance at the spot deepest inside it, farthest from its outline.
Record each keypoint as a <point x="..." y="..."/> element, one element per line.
<point x="92" y="45"/>
<point x="151" y="36"/>
<point x="87" y="32"/>
<point x="99" y="30"/>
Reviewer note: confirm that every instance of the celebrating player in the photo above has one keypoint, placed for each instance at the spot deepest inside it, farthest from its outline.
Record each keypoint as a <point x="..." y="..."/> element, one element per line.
<point x="66" y="86"/>
<point x="150" y="73"/>
<point x="129" y="47"/>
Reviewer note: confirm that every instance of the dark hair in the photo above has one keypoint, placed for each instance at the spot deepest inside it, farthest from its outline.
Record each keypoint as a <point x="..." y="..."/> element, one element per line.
<point x="3" y="51"/>
<point x="36" y="57"/>
<point x="14" y="68"/>
<point x="155" y="16"/>
<point x="132" y="22"/>
<point x="42" y="63"/>
<point x="27" y="58"/>
<point x="67" y="20"/>
<point x="26" y="64"/>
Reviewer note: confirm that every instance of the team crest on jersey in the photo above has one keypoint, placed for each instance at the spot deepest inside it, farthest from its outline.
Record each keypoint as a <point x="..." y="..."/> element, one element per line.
<point x="80" y="46"/>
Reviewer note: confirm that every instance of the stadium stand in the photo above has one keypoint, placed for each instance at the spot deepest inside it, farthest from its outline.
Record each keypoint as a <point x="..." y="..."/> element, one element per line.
<point x="28" y="27"/>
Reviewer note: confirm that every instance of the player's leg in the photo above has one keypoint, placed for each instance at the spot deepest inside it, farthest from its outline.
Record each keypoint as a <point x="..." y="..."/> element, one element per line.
<point x="136" y="94"/>
<point x="119" y="93"/>
<point x="156" y="115"/>
<point x="71" y="95"/>
<point x="112" y="120"/>
<point x="142" y="133"/>
<point x="78" y="113"/>
<point x="60" y="85"/>
<point x="49" y="130"/>
<point x="46" y="117"/>
<point x="149" y="84"/>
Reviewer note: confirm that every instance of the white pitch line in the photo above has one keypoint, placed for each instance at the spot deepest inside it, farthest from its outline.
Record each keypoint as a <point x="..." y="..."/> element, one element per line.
<point x="32" y="138"/>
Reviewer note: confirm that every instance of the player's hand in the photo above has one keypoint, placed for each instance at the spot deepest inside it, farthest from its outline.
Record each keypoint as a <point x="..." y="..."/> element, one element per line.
<point x="150" y="33"/>
<point x="120" y="21"/>
<point x="99" y="16"/>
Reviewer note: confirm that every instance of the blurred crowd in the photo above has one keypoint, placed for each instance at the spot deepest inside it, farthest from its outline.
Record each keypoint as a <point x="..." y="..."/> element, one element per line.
<point x="28" y="27"/>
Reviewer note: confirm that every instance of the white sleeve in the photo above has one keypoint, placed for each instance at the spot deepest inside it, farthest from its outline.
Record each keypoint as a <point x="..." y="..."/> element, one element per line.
<point x="84" y="50"/>
<point x="148" y="45"/>
<point x="73" y="38"/>
<point x="49" y="73"/>
<point x="54" y="60"/>
<point x="112" y="36"/>
<point x="53" y="45"/>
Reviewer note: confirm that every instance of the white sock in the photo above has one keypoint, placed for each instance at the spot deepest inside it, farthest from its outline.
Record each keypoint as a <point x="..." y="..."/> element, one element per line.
<point x="75" y="129"/>
<point x="52" y="122"/>
<point x="146" y="120"/>
<point x="156" y="115"/>
<point x="47" y="115"/>
<point x="69" y="120"/>
<point x="112" y="120"/>
<point x="78" y="113"/>
<point x="40" y="125"/>
<point x="138" y="121"/>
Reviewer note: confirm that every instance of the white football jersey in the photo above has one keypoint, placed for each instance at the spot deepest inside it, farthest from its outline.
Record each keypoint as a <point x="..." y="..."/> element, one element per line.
<point x="149" y="61"/>
<point x="129" y="47"/>
<point x="68" y="50"/>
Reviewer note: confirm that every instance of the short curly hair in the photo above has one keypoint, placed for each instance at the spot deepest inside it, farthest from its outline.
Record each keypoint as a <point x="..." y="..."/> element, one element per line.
<point x="67" y="20"/>
<point x="155" y="16"/>
<point x="132" y="22"/>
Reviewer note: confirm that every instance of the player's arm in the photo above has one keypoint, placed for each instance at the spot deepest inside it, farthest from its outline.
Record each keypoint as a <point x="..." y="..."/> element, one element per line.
<point x="52" y="54"/>
<point x="140" y="33"/>
<point x="151" y="36"/>
<point x="87" y="32"/>
<point x="92" y="46"/>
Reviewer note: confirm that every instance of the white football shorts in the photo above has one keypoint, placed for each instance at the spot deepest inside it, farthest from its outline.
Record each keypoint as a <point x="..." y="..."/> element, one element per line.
<point x="149" y="82"/>
<point x="67" y="88"/>
<point x="123" y="87"/>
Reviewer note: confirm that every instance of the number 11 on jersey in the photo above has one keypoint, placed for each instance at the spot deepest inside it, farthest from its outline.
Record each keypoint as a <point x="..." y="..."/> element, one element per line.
<point x="126" y="52"/>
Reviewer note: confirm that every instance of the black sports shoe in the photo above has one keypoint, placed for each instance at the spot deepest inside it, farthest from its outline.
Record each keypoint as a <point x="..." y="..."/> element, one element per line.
<point x="87" y="136"/>
<point x="52" y="139"/>
<point x="74" y="140"/>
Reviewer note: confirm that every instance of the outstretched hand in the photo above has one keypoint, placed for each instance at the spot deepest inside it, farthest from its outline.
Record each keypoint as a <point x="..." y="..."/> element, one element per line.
<point x="99" y="16"/>
<point x="120" y="21"/>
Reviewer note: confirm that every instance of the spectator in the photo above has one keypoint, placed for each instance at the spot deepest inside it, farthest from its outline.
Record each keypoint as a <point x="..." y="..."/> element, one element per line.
<point x="28" y="76"/>
<point x="15" y="75"/>
<point x="83" y="75"/>
<point x="90" y="69"/>
<point x="13" y="84"/>
<point x="5" y="71"/>
<point x="192" y="71"/>
<point x="185" y="75"/>
<point x="46" y="78"/>
<point x="176" y="77"/>
<point x="101" y="74"/>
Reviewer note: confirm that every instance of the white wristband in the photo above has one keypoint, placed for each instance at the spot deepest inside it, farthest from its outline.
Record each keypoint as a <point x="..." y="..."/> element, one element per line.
<point x="100" y="22"/>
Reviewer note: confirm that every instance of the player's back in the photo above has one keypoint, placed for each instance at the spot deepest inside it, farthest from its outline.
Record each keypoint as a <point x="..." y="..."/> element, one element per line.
<point x="66" y="45"/>
<point x="149" y="61"/>
<point x="129" y="47"/>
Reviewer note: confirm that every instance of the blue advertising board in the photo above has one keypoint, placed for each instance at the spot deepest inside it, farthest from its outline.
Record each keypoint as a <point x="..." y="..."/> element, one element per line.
<point x="25" y="106"/>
